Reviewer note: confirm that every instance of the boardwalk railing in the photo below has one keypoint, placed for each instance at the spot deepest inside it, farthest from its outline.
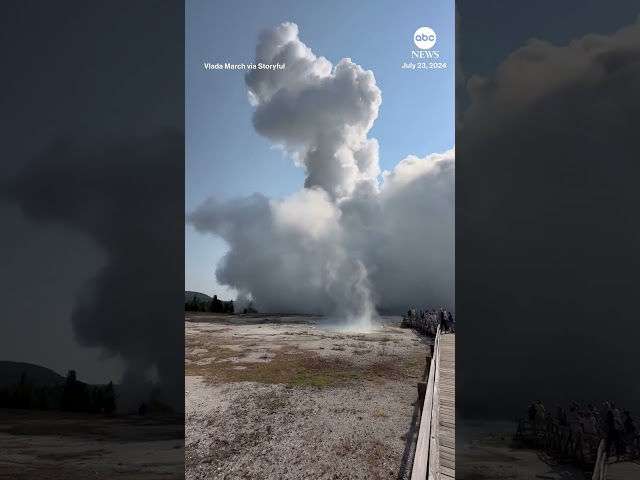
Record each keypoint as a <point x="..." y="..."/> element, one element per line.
<point x="600" y="470"/>
<point x="561" y="440"/>
<point x="426" y="459"/>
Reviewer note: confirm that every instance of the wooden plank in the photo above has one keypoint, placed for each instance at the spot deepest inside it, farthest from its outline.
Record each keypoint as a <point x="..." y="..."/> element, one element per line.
<point x="448" y="450"/>
<point x="447" y="459"/>
<point x="450" y="472"/>
<point x="447" y="464"/>
<point x="445" y="436"/>
<point x="447" y="408"/>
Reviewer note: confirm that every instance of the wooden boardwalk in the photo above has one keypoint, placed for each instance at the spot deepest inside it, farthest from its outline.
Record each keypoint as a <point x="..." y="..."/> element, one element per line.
<point x="622" y="471"/>
<point x="435" y="456"/>
<point x="446" y="385"/>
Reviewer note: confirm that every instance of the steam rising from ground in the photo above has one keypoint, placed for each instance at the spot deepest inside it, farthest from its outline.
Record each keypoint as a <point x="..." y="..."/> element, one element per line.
<point x="345" y="246"/>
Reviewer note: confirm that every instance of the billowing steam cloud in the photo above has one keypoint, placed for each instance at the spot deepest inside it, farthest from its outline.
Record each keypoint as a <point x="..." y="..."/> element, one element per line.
<point x="120" y="195"/>
<point x="549" y="250"/>
<point x="344" y="246"/>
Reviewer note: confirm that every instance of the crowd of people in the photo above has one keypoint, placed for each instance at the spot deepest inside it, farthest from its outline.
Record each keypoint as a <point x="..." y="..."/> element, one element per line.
<point x="441" y="316"/>
<point x="619" y="430"/>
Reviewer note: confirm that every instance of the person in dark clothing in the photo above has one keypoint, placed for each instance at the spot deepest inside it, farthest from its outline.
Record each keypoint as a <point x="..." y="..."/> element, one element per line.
<point x="562" y="417"/>
<point x="443" y="324"/>
<point x="630" y="432"/>
<point x="532" y="412"/>
<point x="613" y="435"/>
<point x="449" y="322"/>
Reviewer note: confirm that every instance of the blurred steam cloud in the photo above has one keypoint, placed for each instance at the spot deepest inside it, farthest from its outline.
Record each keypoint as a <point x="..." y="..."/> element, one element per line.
<point x="119" y="194"/>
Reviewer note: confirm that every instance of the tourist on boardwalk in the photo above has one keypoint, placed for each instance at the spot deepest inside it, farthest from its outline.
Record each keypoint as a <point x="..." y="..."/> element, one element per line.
<point x="541" y="413"/>
<point x="450" y="323"/>
<point x="613" y="434"/>
<point x="617" y="416"/>
<point x="588" y="423"/>
<point x="592" y="411"/>
<point x="575" y="428"/>
<point x="606" y="406"/>
<point x="590" y="434"/>
<point x="442" y="321"/>
<point x="630" y="434"/>
<point x="561" y="417"/>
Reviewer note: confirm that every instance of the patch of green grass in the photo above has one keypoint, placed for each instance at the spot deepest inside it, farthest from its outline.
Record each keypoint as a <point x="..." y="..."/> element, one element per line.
<point x="310" y="380"/>
<point x="292" y="366"/>
<point x="362" y="352"/>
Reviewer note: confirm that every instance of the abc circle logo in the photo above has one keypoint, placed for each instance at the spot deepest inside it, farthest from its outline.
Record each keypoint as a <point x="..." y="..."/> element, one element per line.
<point x="424" y="38"/>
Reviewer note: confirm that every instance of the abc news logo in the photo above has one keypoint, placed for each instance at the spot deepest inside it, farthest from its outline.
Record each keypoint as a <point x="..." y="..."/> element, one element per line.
<point x="425" y="39"/>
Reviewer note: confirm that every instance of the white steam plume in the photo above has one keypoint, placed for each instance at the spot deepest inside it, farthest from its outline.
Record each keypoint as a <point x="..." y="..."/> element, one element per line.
<point x="344" y="246"/>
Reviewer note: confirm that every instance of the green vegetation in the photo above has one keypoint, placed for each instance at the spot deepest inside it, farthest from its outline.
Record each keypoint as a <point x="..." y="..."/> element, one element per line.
<point x="199" y="302"/>
<point x="214" y="306"/>
<point x="290" y="366"/>
<point x="72" y="396"/>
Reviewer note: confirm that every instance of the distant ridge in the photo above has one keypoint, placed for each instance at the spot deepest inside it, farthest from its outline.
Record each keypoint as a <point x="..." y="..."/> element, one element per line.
<point x="201" y="297"/>
<point x="10" y="373"/>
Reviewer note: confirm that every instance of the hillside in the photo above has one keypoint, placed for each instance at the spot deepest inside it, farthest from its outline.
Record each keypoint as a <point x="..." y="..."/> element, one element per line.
<point x="201" y="297"/>
<point x="10" y="373"/>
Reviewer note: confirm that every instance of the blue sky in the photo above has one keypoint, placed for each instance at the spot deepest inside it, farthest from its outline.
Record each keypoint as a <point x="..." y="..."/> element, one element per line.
<point x="226" y="158"/>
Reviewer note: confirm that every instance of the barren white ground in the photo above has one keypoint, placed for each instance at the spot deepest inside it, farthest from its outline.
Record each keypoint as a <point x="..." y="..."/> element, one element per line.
<point x="357" y="421"/>
<point x="63" y="446"/>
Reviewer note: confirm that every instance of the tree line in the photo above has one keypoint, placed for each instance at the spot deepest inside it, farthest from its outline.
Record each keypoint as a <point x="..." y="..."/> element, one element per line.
<point x="72" y="396"/>
<point x="215" y="305"/>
